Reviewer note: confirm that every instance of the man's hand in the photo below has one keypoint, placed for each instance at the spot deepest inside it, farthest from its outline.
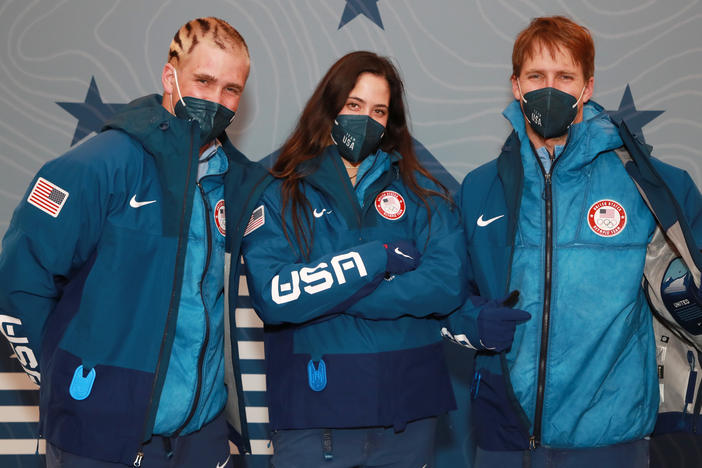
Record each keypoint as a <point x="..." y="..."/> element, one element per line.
<point x="485" y="325"/>
<point x="497" y="322"/>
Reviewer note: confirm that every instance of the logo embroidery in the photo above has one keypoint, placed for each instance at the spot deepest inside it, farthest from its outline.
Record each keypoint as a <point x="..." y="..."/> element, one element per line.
<point x="220" y="218"/>
<point x="390" y="205"/>
<point x="225" y="462"/>
<point x="48" y="197"/>
<point x="319" y="214"/>
<point x="482" y="223"/>
<point x="399" y="252"/>
<point x="138" y="204"/>
<point x="606" y="218"/>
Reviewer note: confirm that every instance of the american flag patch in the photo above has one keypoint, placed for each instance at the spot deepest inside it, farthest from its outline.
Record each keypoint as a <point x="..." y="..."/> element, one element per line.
<point x="257" y="220"/>
<point x="48" y="197"/>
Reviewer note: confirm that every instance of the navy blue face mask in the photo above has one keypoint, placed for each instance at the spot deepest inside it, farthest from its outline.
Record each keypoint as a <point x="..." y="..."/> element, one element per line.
<point x="549" y="111"/>
<point x="356" y="136"/>
<point x="212" y="117"/>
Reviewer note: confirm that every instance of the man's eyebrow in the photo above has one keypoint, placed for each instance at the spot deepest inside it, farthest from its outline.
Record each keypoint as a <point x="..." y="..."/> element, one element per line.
<point x="205" y="76"/>
<point x="234" y="85"/>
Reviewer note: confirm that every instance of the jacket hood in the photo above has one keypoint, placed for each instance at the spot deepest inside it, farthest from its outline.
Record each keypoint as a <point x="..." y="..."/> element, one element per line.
<point x="148" y="122"/>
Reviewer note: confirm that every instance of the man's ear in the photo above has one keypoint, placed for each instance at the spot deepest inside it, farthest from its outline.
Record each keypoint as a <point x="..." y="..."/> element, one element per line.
<point x="589" y="89"/>
<point x="168" y="79"/>
<point x="515" y="88"/>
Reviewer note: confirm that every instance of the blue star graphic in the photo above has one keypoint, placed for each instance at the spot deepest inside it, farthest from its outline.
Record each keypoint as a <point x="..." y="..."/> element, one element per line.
<point x="635" y="119"/>
<point x="367" y="8"/>
<point x="91" y="113"/>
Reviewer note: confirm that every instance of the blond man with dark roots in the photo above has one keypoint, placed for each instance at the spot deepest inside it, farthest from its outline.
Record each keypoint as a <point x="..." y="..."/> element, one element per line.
<point x="113" y="269"/>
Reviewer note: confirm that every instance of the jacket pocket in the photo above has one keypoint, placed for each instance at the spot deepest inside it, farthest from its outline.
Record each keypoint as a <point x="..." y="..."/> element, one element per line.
<point x="498" y="425"/>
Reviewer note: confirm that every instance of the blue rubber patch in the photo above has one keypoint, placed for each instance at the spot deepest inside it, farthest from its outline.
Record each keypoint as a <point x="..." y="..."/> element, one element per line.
<point x="81" y="386"/>
<point x="317" y="378"/>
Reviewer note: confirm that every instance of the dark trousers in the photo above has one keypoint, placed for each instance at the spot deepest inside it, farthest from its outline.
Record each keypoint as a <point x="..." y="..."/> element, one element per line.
<point x="627" y="455"/>
<point x="208" y="447"/>
<point x="351" y="448"/>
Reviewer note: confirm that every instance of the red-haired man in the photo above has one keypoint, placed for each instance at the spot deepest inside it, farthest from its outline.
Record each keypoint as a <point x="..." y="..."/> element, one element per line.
<point x="567" y="377"/>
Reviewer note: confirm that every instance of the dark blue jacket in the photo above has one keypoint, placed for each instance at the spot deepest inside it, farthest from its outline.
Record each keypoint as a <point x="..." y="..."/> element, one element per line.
<point x="98" y="285"/>
<point x="377" y="339"/>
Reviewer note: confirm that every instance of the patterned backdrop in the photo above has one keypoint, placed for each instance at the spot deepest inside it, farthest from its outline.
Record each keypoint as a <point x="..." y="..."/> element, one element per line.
<point x="65" y="65"/>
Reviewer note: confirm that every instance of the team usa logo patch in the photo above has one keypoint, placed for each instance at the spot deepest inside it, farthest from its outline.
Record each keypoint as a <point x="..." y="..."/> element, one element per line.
<point x="606" y="218"/>
<point x="390" y="205"/>
<point x="48" y="197"/>
<point x="220" y="218"/>
<point x="258" y="219"/>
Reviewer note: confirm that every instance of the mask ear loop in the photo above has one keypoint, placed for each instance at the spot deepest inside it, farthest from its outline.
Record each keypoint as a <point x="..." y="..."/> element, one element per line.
<point x="521" y="93"/>
<point x="581" y="96"/>
<point x="180" y="96"/>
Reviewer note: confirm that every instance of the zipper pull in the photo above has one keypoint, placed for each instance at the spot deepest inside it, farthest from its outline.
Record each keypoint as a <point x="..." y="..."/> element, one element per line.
<point x="532" y="443"/>
<point x="546" y="195"/>
<point x="692" y="379"/>
<point x="139" y="457"/>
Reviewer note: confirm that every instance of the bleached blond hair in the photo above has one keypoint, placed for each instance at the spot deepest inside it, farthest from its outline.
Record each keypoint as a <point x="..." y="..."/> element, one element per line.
<point x="215" y="30"/>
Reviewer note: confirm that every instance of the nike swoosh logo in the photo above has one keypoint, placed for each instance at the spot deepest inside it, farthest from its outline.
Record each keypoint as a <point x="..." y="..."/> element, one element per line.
<point x="399" y="252"/>
<point x="483" y="223"/>
<point x="225" y="462"/>
<point x="138" y="204"/>
<point x="319" y="214"/>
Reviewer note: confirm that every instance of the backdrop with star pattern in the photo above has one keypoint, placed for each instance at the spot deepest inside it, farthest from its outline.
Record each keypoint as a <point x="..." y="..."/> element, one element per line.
<point x="68" y="65"/>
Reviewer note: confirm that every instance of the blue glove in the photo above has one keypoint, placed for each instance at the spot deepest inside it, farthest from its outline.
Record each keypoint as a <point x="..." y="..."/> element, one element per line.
<point x="403" y="256"/>
<point x="497" y="322"/>
<point x="485" y="325"/>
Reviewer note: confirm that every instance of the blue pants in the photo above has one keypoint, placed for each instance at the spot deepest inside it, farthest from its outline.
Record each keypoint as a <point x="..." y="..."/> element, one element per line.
<point x="350" y="448"/>
<point x="627" y="455"/>
<point x="208" y="447"/>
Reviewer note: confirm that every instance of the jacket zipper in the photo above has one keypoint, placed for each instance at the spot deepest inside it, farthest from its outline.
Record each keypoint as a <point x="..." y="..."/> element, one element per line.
<point x="140" y="453"/>
<point x="535" y="438"/>
<point x="203" y="349"/>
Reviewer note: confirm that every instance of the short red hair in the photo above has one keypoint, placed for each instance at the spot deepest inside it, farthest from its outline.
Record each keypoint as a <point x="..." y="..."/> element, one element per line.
<point x="555" y="33"/>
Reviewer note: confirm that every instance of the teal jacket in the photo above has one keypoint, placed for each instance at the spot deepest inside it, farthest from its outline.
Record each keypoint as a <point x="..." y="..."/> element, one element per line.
<point x="582" y="370"/>
<point x="93" y="289"/>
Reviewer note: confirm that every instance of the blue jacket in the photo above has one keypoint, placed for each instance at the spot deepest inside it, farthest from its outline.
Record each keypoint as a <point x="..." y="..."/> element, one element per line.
<point x="94" y="292"/>
<point x="581" y="371"/>
<point x="377" y="340"/>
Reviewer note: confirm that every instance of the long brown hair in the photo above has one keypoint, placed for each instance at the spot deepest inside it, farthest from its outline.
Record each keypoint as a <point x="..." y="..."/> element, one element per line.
<point x="313" y="130"/>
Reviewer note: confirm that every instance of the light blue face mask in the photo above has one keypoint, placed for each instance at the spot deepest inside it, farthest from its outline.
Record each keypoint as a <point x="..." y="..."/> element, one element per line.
<point x="356" y="136"/>
<point x="212" y="117"/>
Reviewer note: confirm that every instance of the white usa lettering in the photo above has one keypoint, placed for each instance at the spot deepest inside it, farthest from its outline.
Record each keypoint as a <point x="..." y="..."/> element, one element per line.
<point x="316" y="279"/>
<point x="24" y="354"/>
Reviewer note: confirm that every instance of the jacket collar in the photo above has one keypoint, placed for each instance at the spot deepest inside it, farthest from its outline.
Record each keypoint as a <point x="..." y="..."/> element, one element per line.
<point x="586" y="140"/>
<point x="327" y="174"/>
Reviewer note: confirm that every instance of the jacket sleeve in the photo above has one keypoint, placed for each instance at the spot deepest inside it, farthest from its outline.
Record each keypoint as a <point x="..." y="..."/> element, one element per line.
<point x="284" y="289"/>
<point x="44" y="247"/>
<point x="436" y="287"/>
<point x="461" y="327"/>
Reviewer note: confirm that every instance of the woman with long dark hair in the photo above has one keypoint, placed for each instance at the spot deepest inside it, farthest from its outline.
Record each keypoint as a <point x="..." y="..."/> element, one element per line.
<point x="352" y="256"/>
